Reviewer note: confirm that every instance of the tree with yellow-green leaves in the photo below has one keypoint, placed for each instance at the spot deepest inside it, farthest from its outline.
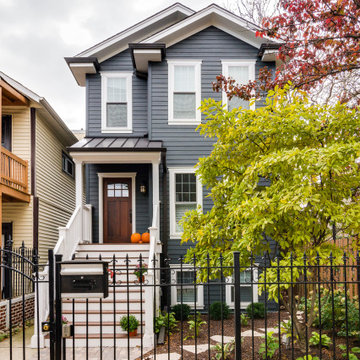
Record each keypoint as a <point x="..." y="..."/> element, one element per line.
<point x="288" y="170"/>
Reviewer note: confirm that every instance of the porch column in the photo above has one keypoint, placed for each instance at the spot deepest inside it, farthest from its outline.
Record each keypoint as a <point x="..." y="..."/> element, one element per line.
<point x="79" y="182"/>
<point x="156" y="182"/>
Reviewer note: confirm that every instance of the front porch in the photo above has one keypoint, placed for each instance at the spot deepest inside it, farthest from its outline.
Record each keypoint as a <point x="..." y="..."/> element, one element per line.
<point x="122" y="185"/>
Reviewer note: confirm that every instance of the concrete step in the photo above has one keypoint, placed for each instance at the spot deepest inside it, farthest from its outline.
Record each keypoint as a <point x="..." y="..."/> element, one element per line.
<point x="94" y="315"/>
<point x="94" y="328"/>
<point x="113" y="247"/>
<point x="106" y="305"/>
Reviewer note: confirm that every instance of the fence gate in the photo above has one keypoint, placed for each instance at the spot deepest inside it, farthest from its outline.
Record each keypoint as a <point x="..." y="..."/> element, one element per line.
<point x="20" y="278"/>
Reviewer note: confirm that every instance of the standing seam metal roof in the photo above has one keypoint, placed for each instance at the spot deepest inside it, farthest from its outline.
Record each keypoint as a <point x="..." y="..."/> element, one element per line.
<point x="117" y="144"/>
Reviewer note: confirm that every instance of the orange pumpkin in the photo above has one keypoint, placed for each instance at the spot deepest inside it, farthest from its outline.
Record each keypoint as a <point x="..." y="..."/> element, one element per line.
<point x="145" y="237"/>
<point x="135" y="237"/>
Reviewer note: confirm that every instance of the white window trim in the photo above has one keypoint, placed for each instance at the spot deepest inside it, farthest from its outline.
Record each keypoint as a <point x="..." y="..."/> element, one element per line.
<point x="243" y="304"/>
<point x="171" y="64"/>
<point x="199" y="287"/>
<point x="104" y="77"/>
<point x="199" y="197"/>
<point x="101" y="199"/>
<point x="225" y="72"/>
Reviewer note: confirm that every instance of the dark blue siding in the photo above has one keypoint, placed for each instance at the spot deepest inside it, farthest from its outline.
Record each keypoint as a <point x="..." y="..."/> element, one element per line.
<point x="120" y="62"/>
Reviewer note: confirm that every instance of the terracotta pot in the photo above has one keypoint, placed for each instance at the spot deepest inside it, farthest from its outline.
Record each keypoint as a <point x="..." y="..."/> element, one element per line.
<point x="133" y="333"/>
<point x="141" y="279"/>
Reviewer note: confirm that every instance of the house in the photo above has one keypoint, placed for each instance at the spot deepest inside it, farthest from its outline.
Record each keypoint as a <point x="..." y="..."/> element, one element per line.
<point x="144" y="86"/>
<point x="37" y="185"/>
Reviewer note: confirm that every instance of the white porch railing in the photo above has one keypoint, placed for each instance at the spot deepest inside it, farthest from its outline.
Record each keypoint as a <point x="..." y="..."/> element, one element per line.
<point x="77" y="230"/>
<point x="152" y="293"/>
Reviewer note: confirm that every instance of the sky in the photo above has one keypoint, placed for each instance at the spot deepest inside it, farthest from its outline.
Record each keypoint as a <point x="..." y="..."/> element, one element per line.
<point x="36" y="35"/>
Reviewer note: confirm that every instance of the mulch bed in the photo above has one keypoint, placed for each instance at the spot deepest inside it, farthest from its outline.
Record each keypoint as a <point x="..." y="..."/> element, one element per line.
<point x="249" y="347"/>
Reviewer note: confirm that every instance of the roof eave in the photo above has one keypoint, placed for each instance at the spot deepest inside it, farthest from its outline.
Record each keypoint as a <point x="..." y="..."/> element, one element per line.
<point x="80" y="66"/>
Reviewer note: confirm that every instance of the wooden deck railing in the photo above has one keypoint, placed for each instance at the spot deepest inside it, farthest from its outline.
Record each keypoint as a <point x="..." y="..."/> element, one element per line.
<point x="13" y="171"/>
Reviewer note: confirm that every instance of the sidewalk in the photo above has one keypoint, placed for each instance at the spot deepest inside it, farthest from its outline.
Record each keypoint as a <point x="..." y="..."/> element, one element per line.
<point x="80" y="353"/>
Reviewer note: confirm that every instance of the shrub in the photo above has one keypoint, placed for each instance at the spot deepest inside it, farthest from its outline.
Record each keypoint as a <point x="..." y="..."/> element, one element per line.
<point x="227" y="350"/>
<point x="130" y="323"/>
<point x="256" y="311"/>
<point x="339" y="312"/>
<point x="316" y="340"/>
<point x="217" y="309"/>
<point x="244" y="320"/>
<point x="167" y="321"/>
<point x="195" y="324"/>
<point x="267" y="351"/>
<point x="179" y="309"/>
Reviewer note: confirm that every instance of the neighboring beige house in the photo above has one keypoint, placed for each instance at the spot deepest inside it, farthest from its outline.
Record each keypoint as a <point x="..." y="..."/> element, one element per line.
<point x="37" y="187"/>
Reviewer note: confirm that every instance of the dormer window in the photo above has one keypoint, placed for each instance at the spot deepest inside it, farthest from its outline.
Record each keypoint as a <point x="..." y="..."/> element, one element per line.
<point x="184" y="78"/>
<point x="116" y="111"/>
<point x="242" y="72"/>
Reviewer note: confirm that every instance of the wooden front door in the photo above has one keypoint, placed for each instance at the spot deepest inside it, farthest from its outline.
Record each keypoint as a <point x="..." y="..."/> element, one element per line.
<point x="117" y="194"/>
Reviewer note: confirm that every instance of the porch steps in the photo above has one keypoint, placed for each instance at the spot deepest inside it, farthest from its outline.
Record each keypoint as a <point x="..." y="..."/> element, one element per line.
<point x="127" y="288"/>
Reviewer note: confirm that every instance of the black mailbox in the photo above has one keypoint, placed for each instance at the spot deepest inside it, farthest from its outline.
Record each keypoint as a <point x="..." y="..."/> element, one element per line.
<point x="84" y="279"/>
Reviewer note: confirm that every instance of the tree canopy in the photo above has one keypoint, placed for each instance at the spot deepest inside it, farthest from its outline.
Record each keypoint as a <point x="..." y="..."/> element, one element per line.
<point x="288" y="170"/>
<point x="319" y="49"/>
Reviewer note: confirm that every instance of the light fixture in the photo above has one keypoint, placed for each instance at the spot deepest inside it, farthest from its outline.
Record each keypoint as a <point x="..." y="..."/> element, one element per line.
<point x="143" y="188"/>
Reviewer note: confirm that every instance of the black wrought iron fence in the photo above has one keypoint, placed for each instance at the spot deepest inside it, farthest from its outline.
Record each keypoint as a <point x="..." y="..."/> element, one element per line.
<point x="17" y="263"/>
<point x="254" y="308"/>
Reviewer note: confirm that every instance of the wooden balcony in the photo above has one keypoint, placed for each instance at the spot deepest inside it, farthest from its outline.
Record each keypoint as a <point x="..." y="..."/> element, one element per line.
<point x="13" y="177"/>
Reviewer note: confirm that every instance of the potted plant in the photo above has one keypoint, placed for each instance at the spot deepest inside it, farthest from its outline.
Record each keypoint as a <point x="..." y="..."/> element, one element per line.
<point x="129" y="324"/>
<point x="140" y="271"/>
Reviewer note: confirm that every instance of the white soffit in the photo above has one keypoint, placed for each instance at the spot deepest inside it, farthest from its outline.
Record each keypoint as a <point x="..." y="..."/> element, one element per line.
<point x="119" y="42"/>
<point x="80" y="70"/>
<point x="210" y="16"/>
<point x="143" y="56"/>
<point x="269" y="55"/>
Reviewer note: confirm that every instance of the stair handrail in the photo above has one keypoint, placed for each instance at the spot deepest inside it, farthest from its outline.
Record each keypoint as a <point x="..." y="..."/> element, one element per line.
<point x="76" y="230"/>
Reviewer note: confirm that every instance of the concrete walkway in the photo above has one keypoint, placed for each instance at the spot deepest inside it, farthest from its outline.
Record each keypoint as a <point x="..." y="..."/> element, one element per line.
<point x="80" y="353"/>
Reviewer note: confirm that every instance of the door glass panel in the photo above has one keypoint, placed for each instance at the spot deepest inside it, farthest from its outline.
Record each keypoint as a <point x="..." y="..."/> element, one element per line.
<point x="118" y="190"/>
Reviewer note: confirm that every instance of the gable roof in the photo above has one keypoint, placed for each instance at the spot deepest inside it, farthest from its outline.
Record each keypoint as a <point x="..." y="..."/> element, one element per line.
<point x="44" y="109"/>
<point x="166" y="27"/>
<point x="119" y="42"/>
<point x="212" y="15"/>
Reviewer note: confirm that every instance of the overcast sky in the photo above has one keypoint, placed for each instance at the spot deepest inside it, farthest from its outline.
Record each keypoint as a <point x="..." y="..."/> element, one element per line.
<point x="36" y="35"/>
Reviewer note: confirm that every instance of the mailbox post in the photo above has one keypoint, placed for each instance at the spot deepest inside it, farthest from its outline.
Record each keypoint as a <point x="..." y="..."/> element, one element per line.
<point x="76" y="279"/>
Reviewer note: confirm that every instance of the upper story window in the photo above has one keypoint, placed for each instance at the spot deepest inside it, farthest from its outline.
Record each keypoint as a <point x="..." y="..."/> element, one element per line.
<point x="242" y="72"/>
<point x="184" y="79"/>
<point x="68" y="165"/>
<point x="116" y="109"/>
<point x="185" y="195"/>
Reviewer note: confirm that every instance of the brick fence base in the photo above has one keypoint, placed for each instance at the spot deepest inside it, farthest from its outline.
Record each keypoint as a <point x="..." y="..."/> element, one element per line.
<point x="16" y="311"/>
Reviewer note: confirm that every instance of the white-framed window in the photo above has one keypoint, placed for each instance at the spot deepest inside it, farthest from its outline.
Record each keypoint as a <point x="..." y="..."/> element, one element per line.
<point x="248" y="292"/>
<point x="184" y="291"/>
<point x="184" y="97"/>
<point x="185" y="194"/>
<point x="242" y="72"/>
<point x="116" y="103"/>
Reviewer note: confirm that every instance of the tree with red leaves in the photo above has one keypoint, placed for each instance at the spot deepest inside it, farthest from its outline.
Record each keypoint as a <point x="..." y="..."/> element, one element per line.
<point x="319" y="50"/>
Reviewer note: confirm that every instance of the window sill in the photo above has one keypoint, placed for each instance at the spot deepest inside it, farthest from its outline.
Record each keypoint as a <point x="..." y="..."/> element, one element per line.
<point x="117" y="131"/>
<point x="175" y="236"/>
<point x="184" y="122"/>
